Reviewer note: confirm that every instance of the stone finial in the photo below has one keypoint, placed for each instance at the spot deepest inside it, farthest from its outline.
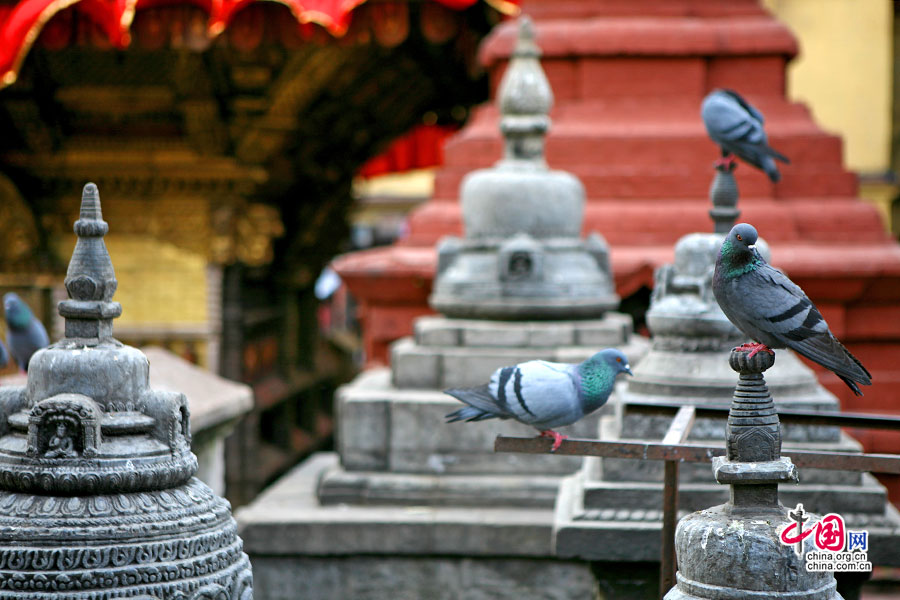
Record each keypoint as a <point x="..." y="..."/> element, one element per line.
<point x="525" y="99"/>
<point x="753" y="433"/>
<point x="753" y="465"/>
<point x="90" y="280"/>
<point x="723" y="192"/>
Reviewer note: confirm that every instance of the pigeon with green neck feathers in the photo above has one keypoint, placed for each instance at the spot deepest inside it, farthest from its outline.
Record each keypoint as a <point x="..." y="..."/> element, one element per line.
<point x="543" y="394"/>
<point x="25" y="333"/>
<point x="774" y="312"/>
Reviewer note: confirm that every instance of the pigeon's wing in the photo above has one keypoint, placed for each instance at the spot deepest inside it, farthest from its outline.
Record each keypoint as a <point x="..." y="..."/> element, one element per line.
<point x="539" y="393"/>
<point x="4" y="355"/>
<point x="745" y="105"/>
<point x="777" y="306"/>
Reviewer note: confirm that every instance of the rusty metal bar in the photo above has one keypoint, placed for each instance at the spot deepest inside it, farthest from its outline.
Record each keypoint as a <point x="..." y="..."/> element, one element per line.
<point x="787" y="416"/>
<point x="836" y="461"/>
<point x="678" y="432"/>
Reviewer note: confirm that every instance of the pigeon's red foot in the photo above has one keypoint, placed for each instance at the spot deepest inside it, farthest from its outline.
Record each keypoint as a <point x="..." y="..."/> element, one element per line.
<point x="755" y="347"/>
<point x="557" y="438"/>
<point x="726" y="163"/>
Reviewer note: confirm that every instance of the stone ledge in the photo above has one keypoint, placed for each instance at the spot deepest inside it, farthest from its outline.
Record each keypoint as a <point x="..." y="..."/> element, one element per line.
<point x="287" y="520"/>
<point x="399" y="489"/>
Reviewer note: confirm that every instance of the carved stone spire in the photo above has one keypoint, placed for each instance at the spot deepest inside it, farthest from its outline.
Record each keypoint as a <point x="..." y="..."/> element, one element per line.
<point x="525" y="99"/>
<point x="97" y="493"/>
<point x="522" y="256"/>
<point x="90" y="279"/>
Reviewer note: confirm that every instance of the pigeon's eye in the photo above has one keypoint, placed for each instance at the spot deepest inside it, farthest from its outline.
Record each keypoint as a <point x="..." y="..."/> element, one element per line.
<point x="739" y="238"/>
<point x="618" y="360"/>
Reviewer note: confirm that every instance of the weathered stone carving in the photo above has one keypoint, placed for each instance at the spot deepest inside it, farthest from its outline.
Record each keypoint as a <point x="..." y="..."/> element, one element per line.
<point x="97" y="494"/>
<point x="733" y="550"/>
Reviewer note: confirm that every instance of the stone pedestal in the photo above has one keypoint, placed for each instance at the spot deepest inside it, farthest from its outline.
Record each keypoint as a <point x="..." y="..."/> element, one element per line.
<point x="415" y="507"/>
<point x="733" y="550"/>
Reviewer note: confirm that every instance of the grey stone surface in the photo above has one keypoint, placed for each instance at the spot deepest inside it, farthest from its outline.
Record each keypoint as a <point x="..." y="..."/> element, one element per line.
<point x="399" y="489"/>
<point x="425" y="361"/>
<point x="97" y="494"/>
<point x="437" y="331"/>
<point x="288" y="520"/>
<point x="415" y="366"/>
<point x="412" y="578"/>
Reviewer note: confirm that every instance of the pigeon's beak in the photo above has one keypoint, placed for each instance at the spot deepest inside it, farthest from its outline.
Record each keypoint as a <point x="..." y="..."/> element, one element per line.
<point x="627" y="369"/>
<point x="752" y="246"/>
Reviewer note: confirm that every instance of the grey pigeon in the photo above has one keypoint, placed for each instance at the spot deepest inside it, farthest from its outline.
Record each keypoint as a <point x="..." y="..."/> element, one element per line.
<point x="543" y="394"/>
<point x="737" y="127"/>
<point x="25" y="333"/>
<point x="4" y="355"/>
<point x="772" y="310"/>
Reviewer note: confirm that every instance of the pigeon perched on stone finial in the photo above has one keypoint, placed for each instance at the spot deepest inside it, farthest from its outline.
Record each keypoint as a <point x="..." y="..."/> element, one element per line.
<point x="773" y="311"/>
<point x="25" y="333"/>
<point x="737" y="127"/>
<point x="543" y="394"/>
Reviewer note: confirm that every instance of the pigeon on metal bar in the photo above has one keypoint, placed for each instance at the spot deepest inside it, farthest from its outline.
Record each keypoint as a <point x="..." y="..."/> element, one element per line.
<point x="25" y="333"/>
<point x="774" y="312"/>
<point x="543" y="394"/>
<point x="737" y="127"/>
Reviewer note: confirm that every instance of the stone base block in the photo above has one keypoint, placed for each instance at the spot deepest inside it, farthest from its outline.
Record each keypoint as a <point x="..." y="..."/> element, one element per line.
<point x="415" y="578"/>
<point x="382" y="428"/>
<point x="301" y="549"/>
<point x="626" y="524"/>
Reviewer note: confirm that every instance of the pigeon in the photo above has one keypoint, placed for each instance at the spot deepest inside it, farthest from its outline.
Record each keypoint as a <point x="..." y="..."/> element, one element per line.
<point x="25" y="334"/>
<point x="4" y="355"/>
<point x="543" y="394"/>
<point x="737" y="127"/>
<point x="772" y="310"/>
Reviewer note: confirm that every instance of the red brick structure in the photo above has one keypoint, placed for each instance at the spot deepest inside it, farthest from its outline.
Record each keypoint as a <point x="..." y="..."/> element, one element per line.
<point x="628" y="77"/>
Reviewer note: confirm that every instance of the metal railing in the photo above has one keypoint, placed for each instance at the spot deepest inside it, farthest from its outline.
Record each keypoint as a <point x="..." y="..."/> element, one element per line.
<point x="673" y="450"/>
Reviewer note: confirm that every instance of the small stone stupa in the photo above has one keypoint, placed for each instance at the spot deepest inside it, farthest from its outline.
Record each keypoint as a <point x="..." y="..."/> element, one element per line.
<point x="97" y="494"/>
<point x="734" y="550"/>
<point x="522" y="257"/>
<point x="415" y="497"/>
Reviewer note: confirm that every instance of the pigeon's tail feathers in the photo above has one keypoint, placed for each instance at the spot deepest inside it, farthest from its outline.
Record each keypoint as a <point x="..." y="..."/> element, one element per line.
<point x="826" y="350"/>
<point x="768" y="165"/>
<point x="776" y="154"/>
<point x="468" y="413"/>
<point x="481" y="405"/>
<point x="852" y="385"/>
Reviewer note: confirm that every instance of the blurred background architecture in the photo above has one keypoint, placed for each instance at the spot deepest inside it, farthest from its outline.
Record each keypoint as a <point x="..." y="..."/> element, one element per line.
<point x="244" y="145"/>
